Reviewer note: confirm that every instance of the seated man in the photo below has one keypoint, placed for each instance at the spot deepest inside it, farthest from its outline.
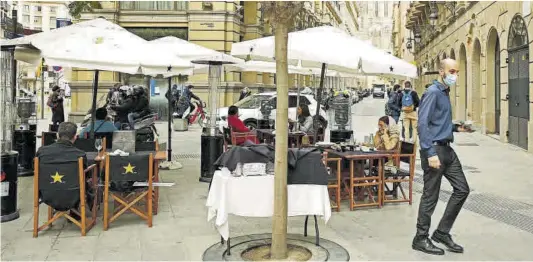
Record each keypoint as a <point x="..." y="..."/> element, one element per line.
<point x="63" y="150"/>
<point x="238" y="126"/>
<point x="141" y="106"/>
<point x="101" y="124"/>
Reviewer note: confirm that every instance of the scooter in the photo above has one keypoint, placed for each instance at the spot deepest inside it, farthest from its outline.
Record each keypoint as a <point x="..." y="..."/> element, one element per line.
<point x="197" y="116"/>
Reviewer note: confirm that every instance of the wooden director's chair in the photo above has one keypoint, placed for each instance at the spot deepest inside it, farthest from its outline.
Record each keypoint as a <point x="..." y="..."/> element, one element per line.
<point x="121" y="172"/>
<point x="62" y="186"/>
<point x="407" y="155"/>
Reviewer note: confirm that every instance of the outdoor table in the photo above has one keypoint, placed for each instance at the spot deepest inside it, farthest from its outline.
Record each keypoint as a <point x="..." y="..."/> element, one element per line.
<point x="353" y="156"/>
<point x="253" y="196"/>
<point x="268" y="136"/>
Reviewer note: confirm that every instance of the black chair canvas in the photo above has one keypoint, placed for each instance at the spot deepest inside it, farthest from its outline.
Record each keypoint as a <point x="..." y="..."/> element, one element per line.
<point x="121" y="172"/>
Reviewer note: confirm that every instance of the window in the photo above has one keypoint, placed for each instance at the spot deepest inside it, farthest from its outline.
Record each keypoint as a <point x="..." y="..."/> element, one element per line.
<point x="26" y="8"/>
<point x="52" y="9"/>
<point x="52" y="22"/>
<point x="37" y="8"/>
<point x="37" y="20"/>
<point x="292" y="101"/>
<point x="154" y="5"/>
<point x="385" y="10"/>
<point x="25" y="19"/>
<point x="304" y="101"/>
<point x="376" y="9"/>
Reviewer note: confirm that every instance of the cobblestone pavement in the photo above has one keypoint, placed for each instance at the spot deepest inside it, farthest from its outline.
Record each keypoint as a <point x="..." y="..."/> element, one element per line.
<point x="496" y="223"/>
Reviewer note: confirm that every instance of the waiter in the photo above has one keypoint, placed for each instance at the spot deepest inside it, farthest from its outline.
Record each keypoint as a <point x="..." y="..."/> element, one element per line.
<point x="435" y="129"/>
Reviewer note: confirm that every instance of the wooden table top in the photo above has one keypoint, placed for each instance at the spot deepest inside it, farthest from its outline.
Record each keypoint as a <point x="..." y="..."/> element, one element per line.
<point x="159" y="155"/>
<point x="361" y="154"/>
<point x="270" y="132"/>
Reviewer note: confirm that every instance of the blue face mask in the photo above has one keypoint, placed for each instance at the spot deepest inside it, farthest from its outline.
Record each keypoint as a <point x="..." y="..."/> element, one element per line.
<point x="450" y="79"/>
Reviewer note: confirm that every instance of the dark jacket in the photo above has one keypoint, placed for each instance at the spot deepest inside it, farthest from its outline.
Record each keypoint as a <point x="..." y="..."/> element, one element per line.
<point x="141" y="104"/>
<point x="58" y="113"/>
<point x="394" y="104"/>
<point x="60" y="151"/>
<point x="123" y="109"/>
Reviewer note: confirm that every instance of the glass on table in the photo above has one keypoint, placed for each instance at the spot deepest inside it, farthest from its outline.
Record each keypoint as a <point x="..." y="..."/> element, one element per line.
<point x="98" y="144"/>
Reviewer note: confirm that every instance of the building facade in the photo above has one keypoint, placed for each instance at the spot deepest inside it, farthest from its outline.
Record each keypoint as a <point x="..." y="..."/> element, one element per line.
<point x="375" y="24"/>
<point x="213" y="24"/>
<point x="491" y="42"/>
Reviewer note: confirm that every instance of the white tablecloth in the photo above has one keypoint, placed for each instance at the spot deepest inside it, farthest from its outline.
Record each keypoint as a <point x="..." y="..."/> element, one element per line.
<point x="253" y="196"/>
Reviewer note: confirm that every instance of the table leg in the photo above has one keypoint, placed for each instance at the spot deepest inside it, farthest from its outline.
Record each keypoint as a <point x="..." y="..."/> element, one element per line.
<point x="156" y="188"/>
<point x="317" y="233"/>
<point x="305" y="225"/>
<point x="380" y="185"/>
<point x="351" y="184"/>
<point x="228" y="246"/>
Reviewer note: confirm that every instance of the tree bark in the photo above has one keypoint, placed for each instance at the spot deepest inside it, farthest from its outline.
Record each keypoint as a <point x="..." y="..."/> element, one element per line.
<point x="279" y="223"/>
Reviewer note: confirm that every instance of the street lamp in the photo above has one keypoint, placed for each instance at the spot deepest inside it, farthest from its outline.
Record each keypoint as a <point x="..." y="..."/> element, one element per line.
<point x="418" y="37"/>
<point x="433" y="15"/>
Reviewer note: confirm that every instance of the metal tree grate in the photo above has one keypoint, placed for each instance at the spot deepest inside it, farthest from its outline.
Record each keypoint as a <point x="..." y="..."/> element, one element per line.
<point x="186" y="156"/>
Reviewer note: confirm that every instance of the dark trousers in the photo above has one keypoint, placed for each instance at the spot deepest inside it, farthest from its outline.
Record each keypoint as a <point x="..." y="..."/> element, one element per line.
<point x="453" y="171"/>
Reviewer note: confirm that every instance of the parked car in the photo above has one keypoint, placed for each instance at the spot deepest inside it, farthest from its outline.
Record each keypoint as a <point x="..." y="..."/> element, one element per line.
<point x="250" y="107"/>
<point x="378" y="91"/>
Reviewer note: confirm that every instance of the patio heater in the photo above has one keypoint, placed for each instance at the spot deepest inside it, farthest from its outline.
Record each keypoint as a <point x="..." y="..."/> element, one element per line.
<point x="212" y="141"/>
<point x="340" y="118"/>
<point x="24" y="136"/>
<point x="9" y="164"/>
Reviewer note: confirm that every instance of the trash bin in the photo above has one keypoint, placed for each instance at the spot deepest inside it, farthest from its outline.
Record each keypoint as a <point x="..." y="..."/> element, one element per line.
<point x="180" y="124"/>
<point x="212" y="148"/>
<point x="8" y="190"/>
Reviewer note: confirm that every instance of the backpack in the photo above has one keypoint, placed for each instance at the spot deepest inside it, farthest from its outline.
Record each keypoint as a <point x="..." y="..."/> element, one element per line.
<point x="407" y="102"/>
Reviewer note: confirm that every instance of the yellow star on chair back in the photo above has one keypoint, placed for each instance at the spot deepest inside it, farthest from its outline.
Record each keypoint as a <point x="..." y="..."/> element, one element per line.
<point x="129" y="169"/>
<point x="57" y="178"/>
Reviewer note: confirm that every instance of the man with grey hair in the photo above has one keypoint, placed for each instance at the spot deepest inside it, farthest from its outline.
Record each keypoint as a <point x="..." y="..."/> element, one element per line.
<point x="63" y="149"/>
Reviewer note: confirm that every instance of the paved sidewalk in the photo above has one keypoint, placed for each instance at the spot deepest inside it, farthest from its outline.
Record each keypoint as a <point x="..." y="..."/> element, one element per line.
<point x="496" y="223"/>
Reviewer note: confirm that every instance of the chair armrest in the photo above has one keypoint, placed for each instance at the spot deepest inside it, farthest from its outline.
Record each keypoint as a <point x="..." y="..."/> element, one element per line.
<point x="89" y="168"/>
<point x="334" y="159"/>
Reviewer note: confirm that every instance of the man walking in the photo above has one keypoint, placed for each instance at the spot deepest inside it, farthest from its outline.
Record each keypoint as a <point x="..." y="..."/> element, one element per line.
<point x="409" y="102"/>
<point x="393" y="105"/>
<point x="438" y="159"/>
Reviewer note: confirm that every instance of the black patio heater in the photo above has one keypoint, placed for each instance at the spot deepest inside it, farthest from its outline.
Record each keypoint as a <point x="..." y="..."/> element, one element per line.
<point x="9" y="158"/>
<point x="212" y="142"/>
<point x="24" y="136"/>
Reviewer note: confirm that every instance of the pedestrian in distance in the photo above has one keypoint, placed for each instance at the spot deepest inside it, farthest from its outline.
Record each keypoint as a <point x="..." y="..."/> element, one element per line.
<point x="393" y="105"/>
<point x="55" y="102"/>
<point x="409" y="102"/>
<point x="438" y="158"/>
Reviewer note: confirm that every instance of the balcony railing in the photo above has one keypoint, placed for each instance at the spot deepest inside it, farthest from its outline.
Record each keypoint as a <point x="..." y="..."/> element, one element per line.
<point x="154" y="5"/>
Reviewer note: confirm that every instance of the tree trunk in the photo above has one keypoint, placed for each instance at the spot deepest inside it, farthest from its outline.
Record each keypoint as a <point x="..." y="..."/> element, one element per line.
<point x="279" y="223"/>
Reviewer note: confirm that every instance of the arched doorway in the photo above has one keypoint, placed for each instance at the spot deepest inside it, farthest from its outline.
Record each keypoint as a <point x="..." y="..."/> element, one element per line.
<point x="493" y="111"/>
<point x="461" y="96"/>
<point x="518" y="49"/>
<point x="453" y="91"/>
<point x="476" y="84"/>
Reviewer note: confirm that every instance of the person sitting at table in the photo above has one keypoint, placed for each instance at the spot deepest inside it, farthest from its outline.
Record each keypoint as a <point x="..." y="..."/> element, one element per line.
<point x="102" y="125"/>
<point x="63" y="150"/>
<point x="305" y="119"/>
<point x="388" y="136"/>
<point x="238" y="126"/>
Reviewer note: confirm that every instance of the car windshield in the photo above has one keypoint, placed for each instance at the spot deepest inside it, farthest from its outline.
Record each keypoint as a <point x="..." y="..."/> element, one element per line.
<point x="253" y="101"/>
